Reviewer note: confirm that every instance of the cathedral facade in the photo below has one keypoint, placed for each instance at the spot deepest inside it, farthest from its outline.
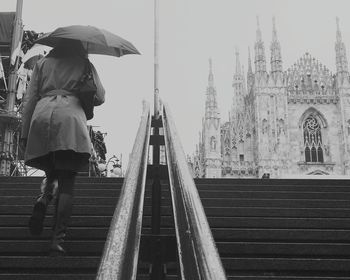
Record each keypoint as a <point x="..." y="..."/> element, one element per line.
<point x="282" y="122"/>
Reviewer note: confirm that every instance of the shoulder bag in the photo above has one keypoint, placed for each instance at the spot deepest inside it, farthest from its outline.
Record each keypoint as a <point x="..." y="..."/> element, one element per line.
<point x="86" y="91"/>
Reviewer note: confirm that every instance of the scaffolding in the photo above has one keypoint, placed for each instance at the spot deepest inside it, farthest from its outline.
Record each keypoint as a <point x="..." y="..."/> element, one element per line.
<point x="10" y="39"/>
<point x="14" y="78"/>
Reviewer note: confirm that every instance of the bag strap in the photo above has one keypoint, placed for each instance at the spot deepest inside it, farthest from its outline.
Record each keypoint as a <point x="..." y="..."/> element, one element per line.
<point x="85" y="75"/>
<point x="87" y="69"/>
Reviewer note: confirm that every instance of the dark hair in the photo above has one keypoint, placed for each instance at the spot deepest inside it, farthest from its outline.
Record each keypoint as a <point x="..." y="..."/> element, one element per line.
<point x="68" y="48"/>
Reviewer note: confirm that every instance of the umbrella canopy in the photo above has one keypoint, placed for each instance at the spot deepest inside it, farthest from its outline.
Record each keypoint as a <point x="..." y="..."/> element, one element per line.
<point x="34" y="54"/>
<point x="30" y="63"/>
<point x="95" y="40"/>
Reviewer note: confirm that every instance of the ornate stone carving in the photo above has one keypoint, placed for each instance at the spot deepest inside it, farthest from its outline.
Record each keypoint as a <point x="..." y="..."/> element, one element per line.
<point x="308" y="81"/>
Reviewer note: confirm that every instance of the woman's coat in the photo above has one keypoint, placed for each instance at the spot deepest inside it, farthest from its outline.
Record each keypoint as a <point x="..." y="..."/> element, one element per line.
<point x="53" y="118"/>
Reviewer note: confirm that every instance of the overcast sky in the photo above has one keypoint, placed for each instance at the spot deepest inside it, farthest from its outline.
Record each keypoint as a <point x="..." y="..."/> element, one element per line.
<point x="191" y="31"/>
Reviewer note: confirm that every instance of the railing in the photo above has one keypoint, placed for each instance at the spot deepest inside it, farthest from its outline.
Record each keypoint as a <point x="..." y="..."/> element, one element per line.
<point x="120" y="255"/>
<point x="198" y="255"/>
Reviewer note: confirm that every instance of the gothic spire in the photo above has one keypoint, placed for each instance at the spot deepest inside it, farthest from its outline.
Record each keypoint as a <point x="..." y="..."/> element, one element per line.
<point x="274" y="32"/>
<point x="238" y="85"/>
<point x="276" y="57"/>
<point x="211" y="106"/>
<point x="338" y="30"/>
<point x="249" y="62"/>
<point x="258" y="31"/>
<point x="340" y="52"/>
<point x="238" y="64"/>
<point x="250" y="75"/>
<point x="238" y="76"/>
<point x="211" y="76"/>
<point x="260" y="61"/>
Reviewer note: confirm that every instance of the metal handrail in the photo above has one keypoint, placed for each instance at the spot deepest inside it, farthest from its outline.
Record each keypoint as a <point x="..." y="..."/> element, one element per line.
<point x="197" y="252"/>
<point x="120" y="255"/>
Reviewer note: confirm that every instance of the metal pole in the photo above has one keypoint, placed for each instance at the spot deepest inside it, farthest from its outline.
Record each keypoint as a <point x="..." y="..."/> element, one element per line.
<point x="156" y="62"/>
<point x="17" y="32"/>
<point x="11" y="97"/>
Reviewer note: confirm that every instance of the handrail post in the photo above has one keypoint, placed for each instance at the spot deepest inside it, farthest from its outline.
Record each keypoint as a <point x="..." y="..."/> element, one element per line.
<point x="157" y="262"/>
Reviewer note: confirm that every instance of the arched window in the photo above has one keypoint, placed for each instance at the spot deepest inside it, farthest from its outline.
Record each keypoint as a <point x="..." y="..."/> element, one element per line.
<point x="312" y="140"/>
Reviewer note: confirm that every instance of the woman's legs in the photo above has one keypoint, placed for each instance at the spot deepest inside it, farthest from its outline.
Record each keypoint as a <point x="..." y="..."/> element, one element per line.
<point x="64" y="204"/>
<point x="47" y="193"/>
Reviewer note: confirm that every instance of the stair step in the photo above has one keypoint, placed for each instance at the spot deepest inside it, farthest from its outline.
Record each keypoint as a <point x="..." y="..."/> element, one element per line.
<point x="263" y="234"/>
<point x="22" y="220"/>
<point x="220" y="234"/>
<point x="277" y="188"/>
<point x="282" y="235"/>
<point x="215" y="182"/>
<point x="73" y="233"/>
<point x="167" y="221"/>
<point x="289" y="203"/>
<point x="33" y="193"/>
<point x="313" y="265"/>
<point x="115" y="191"/>
<point x="47" y="276"/>
<point x="36" y="276"/>
<point x="78" y="263"/>
<point x="80" y="186"/>
<point x="95" y="247"/>
<point x="263" y="249"/>
<point x="79" y="180"/>
<point x="40" y="247"/>
<point x="207" y="202"/>
<point x="210" y="211"/>
<point x="278" y="212"/>
<point x="78" y="200"/>
<point x="274" y="194"/>
<point x="284" y="277"/>
<point x="92" y="210"/>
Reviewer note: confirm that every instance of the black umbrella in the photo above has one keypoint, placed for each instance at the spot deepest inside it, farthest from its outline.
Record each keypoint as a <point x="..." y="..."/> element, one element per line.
<point x="95" y="40"/>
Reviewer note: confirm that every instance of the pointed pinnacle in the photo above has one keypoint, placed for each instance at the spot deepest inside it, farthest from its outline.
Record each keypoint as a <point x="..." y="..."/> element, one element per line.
<point x="337" y="20"/>
<point x="338" y="30"/>
<point x="249" y="62"/>
<point x="238" y="64"/>
<point x="274" y="32"/>
<point x="258" y="31"/>
<point x="211" y="76"/>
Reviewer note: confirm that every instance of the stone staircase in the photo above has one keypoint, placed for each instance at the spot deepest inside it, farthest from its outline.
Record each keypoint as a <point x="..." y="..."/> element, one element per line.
<point x="264" y="229"/>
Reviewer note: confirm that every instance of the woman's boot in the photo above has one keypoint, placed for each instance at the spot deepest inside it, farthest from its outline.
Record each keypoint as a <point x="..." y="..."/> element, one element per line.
<point x="36" y="221"/>
<point x="63" y="214"/>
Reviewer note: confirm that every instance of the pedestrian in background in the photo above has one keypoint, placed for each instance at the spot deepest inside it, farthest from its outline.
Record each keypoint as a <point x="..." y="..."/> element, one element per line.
<point x="54" y="132"/>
